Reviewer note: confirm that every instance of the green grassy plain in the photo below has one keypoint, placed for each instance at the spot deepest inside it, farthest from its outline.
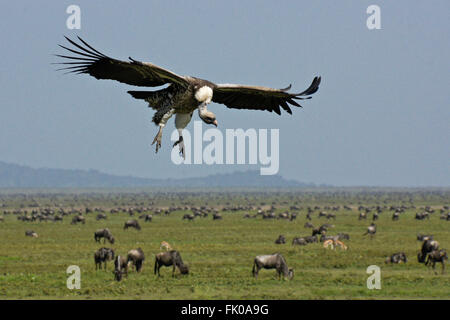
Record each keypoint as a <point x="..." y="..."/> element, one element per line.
<point x="220" y="256"/>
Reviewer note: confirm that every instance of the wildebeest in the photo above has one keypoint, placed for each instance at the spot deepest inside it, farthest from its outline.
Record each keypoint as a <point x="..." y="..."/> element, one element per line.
<point x="331" y="216"/>
<point x="371" y="230"/>
<point x="137" y="257"/>
<point x="308" y="225"/>
<point x="397" y="258"/>
<point x="120" y="267"/>
<point x="321" y="230"/>
<point x="422" y="215"/>
<point x="105" y="234"/>
<point x="375" y="216"/>
<point x="423" y="237"/>
<point x="272" y="261"/>
<point x="322" y="214"/>
<point x="437" y="256"/>
<point x="31" y="233"/>
<point x="101" y="216"/>
<point x="311" y="239"/>
<point x="362" y="215"/>
<point x="189" y="217"/>
<point x="395" y="216"/>
<point x="280" y="240"/>
<point x="148" y="218"/>
<point x="170" y="258"/>
<point x="2" y="219"/>
<point x="103" y="255"/>
<point x="445" y="216"/>
<point x="133" y="224"/>
<point x="217" y="216"/>
<point x="427" y="247"/>
<point x="343" y="236"/>
<point x="77" y="219"/>
<point x="299" y="241"/>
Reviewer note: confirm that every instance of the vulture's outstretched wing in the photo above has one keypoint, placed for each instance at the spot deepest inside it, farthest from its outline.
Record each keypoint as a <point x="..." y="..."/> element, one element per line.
<point x="90" y="61"/>
<point x="261" y="98"/>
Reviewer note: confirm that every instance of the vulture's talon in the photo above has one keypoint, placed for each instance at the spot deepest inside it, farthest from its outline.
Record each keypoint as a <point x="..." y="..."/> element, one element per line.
<point x="157" y="140"/>
<point x="180" y="144"/>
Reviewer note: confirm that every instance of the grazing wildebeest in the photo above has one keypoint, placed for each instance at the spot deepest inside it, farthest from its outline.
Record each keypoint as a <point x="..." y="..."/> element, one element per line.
<point x="120" y="267"/>
<point x="308" y="216"/>
<point x="422" y="215"/>
<point x="280" y="240"/>
<point x="2" y="219"/>
<point x="272" y="261"/>
<point x="427" y="247"/>
<point x="331" y="216"/>
<point x="103" y="255"/>
<point x="105" y="234"/>
<point x="322" y="214"/>
<point x="148" y="218"/>
<point x="325" y="237"/>
<point x="137" y="257"/>
<point x="362" y="215"/>
<point x="311" y="239"/>
<point x="423" y="237"/>
<point x="308" y="225"/>
<point x="375" y="216"/>
<point x="371" y="230"/>
<point x="217" y="216"/>
<point x="31" y="233"/>
<point x="133" y="224"/>
<point x="321" y="230"/>
<point x="437" y="256"/>
<point x="170" y="258"/>
<point x="395" y="216"/>
<point x="293" y="216"/>
<point x="343" y="236"/>
<point x="397" y="258"/>
<point x="299" y="241"/>
<point x="77" y="219"/>
<point x="101" y="216"/>
<point x="189" y="217"/>
<point x="445" y="216"/>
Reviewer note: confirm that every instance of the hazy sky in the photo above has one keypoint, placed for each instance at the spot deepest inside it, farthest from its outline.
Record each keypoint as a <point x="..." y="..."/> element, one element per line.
<point x="380" y="117"/>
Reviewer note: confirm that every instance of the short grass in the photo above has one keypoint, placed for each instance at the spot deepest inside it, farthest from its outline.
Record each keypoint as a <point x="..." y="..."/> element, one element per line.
<point x="220" y="256"/>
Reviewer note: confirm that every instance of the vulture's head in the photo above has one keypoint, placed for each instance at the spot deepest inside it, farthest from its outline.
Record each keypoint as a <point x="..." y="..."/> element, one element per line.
<point x="208" y="117"/>
<point x="204" y="96"/>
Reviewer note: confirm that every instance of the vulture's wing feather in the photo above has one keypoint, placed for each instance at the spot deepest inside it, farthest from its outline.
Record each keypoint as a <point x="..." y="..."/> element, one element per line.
<point x="133" y="72"/>
<point x="261" y="98"/>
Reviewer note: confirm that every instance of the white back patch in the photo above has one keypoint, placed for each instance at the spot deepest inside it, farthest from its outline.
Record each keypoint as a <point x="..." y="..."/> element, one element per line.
<point x="204" y="94"/>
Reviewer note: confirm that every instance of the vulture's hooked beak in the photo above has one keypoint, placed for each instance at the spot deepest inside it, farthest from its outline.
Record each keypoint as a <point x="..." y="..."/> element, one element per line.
<point x="215" y="123"/>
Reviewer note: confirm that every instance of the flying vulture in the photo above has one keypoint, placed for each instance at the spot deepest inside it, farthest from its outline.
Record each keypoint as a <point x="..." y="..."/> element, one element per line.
<point x="184" y="94"/>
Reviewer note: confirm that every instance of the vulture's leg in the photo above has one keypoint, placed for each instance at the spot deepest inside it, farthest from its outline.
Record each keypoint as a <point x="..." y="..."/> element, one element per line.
<point x="180" y="144"/>
<point x="181" y="121"/>
<point x="161" y="119"/>
<point x="158" y="138"/>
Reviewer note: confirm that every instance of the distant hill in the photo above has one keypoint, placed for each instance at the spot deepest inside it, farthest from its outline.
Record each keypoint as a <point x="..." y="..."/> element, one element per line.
<point x="17" y="176"/>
